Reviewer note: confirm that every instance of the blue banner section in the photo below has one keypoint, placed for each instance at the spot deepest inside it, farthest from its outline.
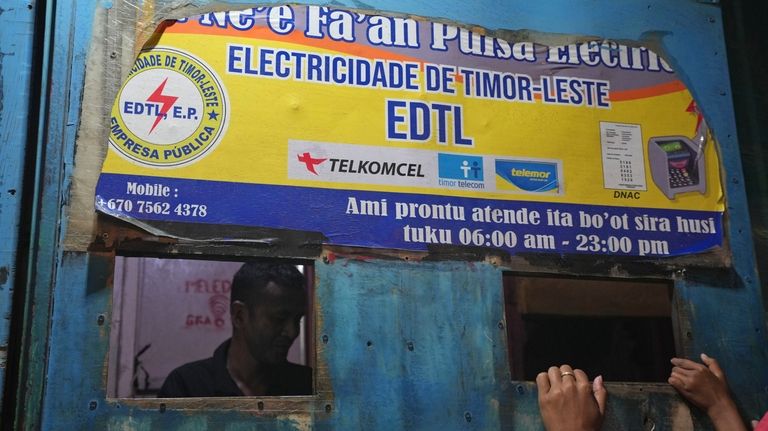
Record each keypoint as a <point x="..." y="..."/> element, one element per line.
<point x="414" y="222"/>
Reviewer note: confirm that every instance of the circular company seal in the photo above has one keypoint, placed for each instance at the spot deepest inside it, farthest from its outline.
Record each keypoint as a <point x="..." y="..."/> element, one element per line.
<point x="171" y="111"/>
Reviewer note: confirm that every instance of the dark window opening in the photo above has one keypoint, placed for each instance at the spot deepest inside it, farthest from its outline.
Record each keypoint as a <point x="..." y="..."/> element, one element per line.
<point x="171" y="312"/>
<point x="620" y="329"/>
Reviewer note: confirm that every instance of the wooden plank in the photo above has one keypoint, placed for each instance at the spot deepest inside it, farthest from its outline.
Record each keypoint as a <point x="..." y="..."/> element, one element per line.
<point x="591" y="297"/>
<point x="63" y="55"/>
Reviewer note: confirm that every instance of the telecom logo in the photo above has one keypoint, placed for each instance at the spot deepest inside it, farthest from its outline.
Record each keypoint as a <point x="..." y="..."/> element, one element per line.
<point x="460" y="171"/>
<point x="310" y="162"/>
<point x="529" y="175"/>
<point x="171" y="111"/>
<point x="360" y="164"/>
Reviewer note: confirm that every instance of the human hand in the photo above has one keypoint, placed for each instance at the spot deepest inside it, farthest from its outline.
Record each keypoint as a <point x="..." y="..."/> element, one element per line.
<point x="705" y="386"/>
<point x="568" y="402"/>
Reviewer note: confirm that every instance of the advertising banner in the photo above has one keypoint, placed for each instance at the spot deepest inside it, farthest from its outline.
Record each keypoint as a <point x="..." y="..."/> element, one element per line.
<point x="401" y="133"/>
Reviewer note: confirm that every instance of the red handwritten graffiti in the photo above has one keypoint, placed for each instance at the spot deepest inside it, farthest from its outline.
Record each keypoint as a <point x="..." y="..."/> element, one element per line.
<point x="202" y="285"/>
<point x="198" y="320"/>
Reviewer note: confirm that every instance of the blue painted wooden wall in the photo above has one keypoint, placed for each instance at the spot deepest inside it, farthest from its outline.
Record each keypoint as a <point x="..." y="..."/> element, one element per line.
<point x="16" y="37"/>
<point x="402" y="345"/>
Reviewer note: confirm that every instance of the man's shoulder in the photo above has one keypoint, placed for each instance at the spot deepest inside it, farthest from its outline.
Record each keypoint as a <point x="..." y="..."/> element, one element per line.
<point x="202" y="378"/>
<point x="190" y="380"/>
<point x="201" y="368"/>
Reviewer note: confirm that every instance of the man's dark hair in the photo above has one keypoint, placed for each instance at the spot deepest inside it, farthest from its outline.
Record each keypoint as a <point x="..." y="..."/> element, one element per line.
<point x="251" y="279"/>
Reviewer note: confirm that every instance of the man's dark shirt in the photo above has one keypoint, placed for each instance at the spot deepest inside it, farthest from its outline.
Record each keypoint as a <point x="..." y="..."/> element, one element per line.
<point x="210" y="378"/>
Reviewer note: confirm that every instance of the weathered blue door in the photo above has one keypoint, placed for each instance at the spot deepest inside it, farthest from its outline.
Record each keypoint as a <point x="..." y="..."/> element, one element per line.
<point x="412" y="341"/>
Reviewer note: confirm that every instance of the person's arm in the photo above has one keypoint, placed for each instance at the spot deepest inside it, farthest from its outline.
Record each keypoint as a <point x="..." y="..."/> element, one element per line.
<point x="705" y="386"/>
<point x="568" y="402"/>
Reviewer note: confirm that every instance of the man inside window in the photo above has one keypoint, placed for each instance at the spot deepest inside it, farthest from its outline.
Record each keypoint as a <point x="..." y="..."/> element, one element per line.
<point x="267" y="303"/>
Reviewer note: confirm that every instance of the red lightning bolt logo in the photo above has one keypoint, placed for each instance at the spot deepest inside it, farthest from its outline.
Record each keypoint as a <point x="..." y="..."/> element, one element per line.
<point x="157" y="96"/>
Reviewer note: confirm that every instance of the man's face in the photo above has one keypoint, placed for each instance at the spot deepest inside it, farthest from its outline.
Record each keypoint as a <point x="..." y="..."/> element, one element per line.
<point x="273" y="323"/>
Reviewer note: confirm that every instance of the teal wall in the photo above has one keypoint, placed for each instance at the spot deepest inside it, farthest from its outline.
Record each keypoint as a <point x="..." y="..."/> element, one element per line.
<point x="16" y="106"/>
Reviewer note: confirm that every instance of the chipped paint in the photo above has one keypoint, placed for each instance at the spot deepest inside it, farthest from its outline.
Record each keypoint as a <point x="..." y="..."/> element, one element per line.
<point x="130" y="423"/>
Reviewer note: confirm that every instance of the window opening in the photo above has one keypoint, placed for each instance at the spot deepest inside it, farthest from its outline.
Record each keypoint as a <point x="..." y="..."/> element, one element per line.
<point x="619" y="328"/>
<point x="170" y="312"/>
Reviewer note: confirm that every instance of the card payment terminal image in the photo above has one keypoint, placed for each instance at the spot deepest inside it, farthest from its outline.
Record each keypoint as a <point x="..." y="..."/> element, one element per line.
<point x="677" y="165"/>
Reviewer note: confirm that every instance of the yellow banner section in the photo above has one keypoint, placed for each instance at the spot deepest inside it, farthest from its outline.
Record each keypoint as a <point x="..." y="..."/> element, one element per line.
<point x="552" y="138"/>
